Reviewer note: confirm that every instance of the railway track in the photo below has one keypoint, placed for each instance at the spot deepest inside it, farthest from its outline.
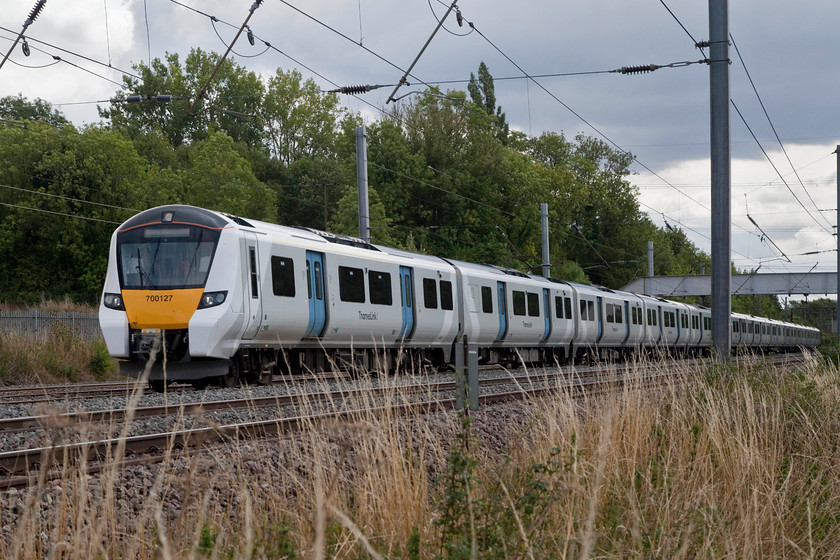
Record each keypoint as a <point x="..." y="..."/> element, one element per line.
<point x="322" y="406"/>
<point x="68" y="391"/>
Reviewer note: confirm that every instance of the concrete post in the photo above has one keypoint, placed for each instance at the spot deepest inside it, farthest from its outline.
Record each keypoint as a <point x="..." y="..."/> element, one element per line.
<point x="721" y="178"/>
<point x="546" y="258"/>
<point x="362" y="181"/>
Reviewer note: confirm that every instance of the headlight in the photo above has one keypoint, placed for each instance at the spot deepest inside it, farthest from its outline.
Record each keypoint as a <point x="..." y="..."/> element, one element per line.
<point x="113" y="301"/>
<point x="212" y="299"/>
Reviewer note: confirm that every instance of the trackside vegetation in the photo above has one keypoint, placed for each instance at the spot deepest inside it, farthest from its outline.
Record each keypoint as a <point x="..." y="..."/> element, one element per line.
<point x="62" y="356"/>
<point x="742" y="462"/>
<point x="447" y="177"/>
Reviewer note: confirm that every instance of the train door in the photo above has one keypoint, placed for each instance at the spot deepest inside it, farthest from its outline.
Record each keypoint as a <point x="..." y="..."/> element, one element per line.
<point x="547" y="313"/>
<point x="626" y="322"/>
<point x="502" y="291"/>
<point x="600" y="318"/>
<point x="659" y="317"/>
<point x="679" y="328"/>
<point x="317" y="294"/>
<point x="254" y="301"/>
<point x="407" y="294"/>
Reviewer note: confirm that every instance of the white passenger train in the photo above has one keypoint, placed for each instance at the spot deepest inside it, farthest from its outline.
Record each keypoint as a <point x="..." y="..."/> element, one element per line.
<point x="218" y="297"/>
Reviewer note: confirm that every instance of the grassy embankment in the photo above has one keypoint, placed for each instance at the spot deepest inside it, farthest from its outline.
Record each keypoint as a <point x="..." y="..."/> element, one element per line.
<point x="738" y="462"/>
<point x="60" y="357"/>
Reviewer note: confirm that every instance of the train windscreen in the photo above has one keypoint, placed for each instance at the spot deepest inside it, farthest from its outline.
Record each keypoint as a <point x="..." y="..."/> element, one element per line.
<point x="165" y="257"/>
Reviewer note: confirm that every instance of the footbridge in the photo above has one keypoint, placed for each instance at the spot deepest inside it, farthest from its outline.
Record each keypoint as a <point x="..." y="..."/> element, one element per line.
<point x="783" y="283"/>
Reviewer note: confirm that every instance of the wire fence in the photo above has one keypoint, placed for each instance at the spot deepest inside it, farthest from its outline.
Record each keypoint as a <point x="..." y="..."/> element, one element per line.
<point x="42" y="324"/>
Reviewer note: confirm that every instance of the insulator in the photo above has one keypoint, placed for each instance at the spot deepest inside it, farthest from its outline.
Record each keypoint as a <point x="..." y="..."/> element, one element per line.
<point x="36" y="10"/>
<point x="641" y="69"/>
<point x="164" y="98"/>
<point x="134" y="99"/>
<point x="353" y="90"/>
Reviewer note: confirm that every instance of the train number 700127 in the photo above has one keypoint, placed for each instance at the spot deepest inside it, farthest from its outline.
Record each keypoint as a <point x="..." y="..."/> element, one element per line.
<point x="158" y="298"/>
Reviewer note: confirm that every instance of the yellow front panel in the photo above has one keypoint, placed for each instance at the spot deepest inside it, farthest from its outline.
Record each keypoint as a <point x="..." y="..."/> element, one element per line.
<point x="161" y="309"/>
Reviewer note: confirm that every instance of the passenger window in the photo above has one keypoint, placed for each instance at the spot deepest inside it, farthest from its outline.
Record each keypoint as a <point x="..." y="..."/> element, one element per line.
<point x="446" y="295"/>
<point x="430" y="293"/>
<point x="519" y="303"/>
<point x="533" y="304"/>
<point x="407" y="284"/>
<point x="558" y="307"/>
<point x="591" y="306"/>
<point x="308" y="281"/>
<point x="319" y="282"/>
<point x="351" y="284"/>
<point x="283" y="276"/>
<point x="610" y="313"/>
<point x="254" y="280"/>
<point x="487" y="299"/>
<point x="568" y="305"/>
<point x="619" y="314"/>
<point x="583" y="314"/>
<point x="380" y="287"/>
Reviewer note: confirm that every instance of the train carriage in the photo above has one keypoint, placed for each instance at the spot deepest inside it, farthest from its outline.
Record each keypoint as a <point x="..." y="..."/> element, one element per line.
<point x="211" y="295"/>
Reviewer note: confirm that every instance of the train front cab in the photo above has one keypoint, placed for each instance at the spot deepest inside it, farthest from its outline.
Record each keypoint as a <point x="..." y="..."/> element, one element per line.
<point x="158" y="269"/>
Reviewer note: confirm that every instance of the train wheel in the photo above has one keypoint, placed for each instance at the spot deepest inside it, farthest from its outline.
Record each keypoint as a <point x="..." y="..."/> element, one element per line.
<point x="231" y="378"/>
<point x="158" y="385"/>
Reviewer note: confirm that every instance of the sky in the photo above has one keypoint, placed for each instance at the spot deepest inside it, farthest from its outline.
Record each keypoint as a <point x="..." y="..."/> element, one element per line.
<point x="783" y="80"/>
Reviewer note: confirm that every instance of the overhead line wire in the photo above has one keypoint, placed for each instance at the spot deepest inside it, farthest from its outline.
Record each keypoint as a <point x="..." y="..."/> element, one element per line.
<point x="69" y="198"/>
<point x="593" y="127"/>
<point x="89" y="59"/>
<point x="773" y="165"/>
<point x="360" y="45"/>
<point x="585" y="121"/>
<point x="77" y="216"/>
<point x="779" y="140"/>
<point x="697" y="45"/>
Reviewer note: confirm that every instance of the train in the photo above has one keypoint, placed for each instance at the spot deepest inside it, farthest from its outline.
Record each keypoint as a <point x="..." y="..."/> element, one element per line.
<point x="199" y="296"/>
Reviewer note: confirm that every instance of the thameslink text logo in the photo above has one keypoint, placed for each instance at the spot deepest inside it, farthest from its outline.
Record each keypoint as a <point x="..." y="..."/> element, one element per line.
<point x="372" y="316"/>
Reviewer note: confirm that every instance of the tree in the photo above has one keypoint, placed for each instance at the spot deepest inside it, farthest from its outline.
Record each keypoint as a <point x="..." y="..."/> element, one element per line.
<point x="21" y="109"/>
<point x="483" y="94"/>
<point x="219" y="178"/>
<point x="230" y="103"/>
<point x="346" y="218"/>
<point x="300" y="121"/>
<point x="63" y="193"/>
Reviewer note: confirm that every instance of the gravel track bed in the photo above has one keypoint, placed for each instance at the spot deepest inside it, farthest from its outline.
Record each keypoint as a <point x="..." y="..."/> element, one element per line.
<point x="57" y="432"/>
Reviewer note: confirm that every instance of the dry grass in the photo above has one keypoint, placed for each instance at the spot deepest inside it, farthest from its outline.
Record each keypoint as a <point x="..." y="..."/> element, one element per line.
<point x="62" y="356"/>
<point x="735" y="463"/>
<point x="65" y="305"/>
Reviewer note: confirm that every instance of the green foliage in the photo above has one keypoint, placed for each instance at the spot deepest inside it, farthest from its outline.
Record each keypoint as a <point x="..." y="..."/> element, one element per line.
<point x="230" y="103"/>
<point x="446" y="177"/>
<point x="413" y="544"/>
<point x="300" y="121"/>
<point x="21" y="109"/>
<point x="220" y="179"/>
<point x="456" y="514"/>
<point x="345" y="220"/>
<point x="102" y="365"/>
<point x="207" y="541"/>
<point x="276" y="543"/>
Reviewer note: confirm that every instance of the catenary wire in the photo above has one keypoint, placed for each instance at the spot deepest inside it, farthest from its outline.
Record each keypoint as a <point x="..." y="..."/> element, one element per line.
<point x="76" y="216"/>
<point x="775" y="168"/>
<point x="776" y="134"/>
<point x="89" y="59"/>
<point x="694" y="41"/>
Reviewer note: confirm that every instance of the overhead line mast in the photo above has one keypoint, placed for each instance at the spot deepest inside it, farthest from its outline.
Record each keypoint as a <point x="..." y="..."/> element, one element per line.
<point x="721" y="178"/>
